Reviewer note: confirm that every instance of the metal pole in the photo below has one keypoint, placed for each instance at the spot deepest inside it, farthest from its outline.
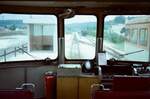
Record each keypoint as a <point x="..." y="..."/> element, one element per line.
<point x="4" y="55"/>
<point x="15" y="51"/>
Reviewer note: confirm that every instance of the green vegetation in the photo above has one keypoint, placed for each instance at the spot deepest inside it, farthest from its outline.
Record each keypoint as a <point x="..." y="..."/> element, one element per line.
<point x="114" y="37"/>
<point x="88" y="32"/>
<point x="116" y="20"/>
<point x="111" y="36"/>
<point x="119" y="20"/>
<point x="12" y="27"/>
<point x="84" y="29"/>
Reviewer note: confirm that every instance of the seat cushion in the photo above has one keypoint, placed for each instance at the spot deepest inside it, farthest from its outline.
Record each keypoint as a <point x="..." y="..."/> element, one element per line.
<point x="130" y="83"/>
<point x="121" y="95"/>
<point x="15" y="94"/>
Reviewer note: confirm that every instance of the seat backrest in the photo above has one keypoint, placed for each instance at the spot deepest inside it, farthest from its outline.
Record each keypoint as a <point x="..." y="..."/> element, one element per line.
<point x="130" y="83"/>
<point x="16" y="94"/>
<point x="121" y="95"/>
<point x="117" y="70"/>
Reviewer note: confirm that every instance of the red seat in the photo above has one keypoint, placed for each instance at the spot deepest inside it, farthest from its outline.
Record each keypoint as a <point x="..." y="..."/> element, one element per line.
<point x="16" y="94"/>
<point x="131" y="83"/>
<point x="121" y="95"/>
<point x="126" y="87"/>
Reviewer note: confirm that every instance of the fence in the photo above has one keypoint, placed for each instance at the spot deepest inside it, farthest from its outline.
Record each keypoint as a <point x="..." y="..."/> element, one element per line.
<point x="12" y="51"/>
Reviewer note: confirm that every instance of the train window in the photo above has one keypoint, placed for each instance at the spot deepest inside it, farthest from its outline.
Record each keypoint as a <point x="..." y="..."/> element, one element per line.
<point x="80" y="37"/>
<point x="27" y="37"/>
<point x="126" y="37"/>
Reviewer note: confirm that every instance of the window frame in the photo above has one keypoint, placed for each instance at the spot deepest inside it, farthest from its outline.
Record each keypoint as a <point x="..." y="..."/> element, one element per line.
<point x="124" y="12"/>
<point x="57" y="29"/>
<point x="79" y="60"/>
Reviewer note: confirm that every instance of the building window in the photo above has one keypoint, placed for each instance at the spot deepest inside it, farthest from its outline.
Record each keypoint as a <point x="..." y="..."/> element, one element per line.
<point x="127" y="33"/>
<point x="80" y="37"/>
<point x="124" y="35"/>
<point x="134" y="35"/>
<point x="42" y="38"/>
<point x="143" y="36"/>
<point x="27" y="37"/>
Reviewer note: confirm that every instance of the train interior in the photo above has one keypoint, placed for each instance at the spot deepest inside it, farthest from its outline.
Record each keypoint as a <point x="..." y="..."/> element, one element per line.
<point x="75" y="49"/>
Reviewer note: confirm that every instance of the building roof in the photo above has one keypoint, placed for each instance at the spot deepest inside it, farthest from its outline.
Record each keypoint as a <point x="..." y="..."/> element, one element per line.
<point x="72" y="3"/>
<point x="143" y="19"/>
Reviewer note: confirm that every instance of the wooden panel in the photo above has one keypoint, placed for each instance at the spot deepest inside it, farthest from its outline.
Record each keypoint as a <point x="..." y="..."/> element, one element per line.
<point x="67" y="88"/>
<point x="85" y="86"/>
<point x="59" y="88"/>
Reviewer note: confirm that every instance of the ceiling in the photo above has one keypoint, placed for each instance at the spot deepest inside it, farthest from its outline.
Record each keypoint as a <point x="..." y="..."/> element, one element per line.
<point x="74" y="3"/>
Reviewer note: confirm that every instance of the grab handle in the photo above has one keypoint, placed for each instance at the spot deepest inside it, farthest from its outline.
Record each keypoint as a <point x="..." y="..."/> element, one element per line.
<point x="26" y="85"/>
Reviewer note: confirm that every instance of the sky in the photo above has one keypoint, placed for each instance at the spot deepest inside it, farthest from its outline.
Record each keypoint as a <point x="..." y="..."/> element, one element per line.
<point x="26" y="16"/>
<point x="81" y="19"/>
<point x="109" y="17"/>
<point x="75" y="19"/>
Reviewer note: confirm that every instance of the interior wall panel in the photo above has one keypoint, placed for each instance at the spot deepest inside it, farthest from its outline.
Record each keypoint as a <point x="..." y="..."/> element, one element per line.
<point x="36" y="75"/>
<point x="11" y="78"/>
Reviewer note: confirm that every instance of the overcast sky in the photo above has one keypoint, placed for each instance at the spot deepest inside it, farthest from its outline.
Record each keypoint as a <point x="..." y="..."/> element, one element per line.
<point x="75" y="19"/>
<point x="111" y="17"/>
<point x="81" y="19"/>
<point x="26" y="16"/>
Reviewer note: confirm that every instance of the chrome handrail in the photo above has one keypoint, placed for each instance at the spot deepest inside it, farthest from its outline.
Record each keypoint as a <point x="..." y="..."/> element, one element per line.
<point x="26" y="84"/>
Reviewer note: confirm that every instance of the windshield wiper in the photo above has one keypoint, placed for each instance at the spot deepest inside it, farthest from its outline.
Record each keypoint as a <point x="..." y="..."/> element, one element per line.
<point x="131" y="53"/>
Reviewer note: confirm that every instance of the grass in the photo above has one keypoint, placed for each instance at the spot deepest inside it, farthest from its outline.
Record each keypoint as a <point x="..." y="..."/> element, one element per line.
<point x="119" y="46"/>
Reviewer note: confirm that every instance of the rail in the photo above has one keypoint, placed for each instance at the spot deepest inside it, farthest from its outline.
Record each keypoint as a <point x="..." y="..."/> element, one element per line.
<point x="114" y="52"/>
<point x="12" y="50"/>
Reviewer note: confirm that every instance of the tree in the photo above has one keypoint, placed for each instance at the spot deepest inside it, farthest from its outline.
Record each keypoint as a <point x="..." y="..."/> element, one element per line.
<point x="12" y="27"/>
<point x="123" y="30"/>
<point x="119" y="20"/>
<point x="130" y="17"/>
